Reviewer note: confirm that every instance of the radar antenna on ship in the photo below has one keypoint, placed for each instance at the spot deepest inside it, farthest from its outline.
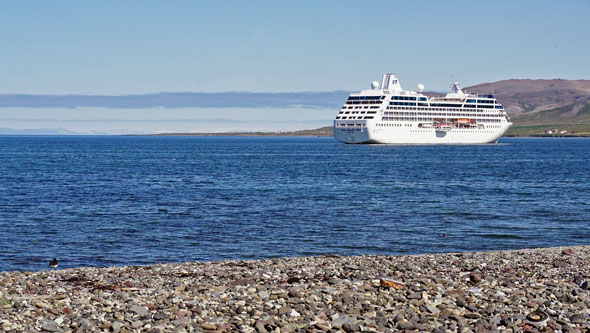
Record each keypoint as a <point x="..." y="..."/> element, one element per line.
<point x="455" y="87"/>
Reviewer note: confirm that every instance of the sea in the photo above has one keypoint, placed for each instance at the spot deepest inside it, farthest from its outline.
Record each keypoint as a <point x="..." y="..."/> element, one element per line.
<point x="132" y="200"/>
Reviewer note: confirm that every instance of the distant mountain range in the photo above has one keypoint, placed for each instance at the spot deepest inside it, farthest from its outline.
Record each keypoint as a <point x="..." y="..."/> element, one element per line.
<point x="322" y="99"/>
<point x="41" y="131"/>
<point x="527" y="101"/>
<point x="531" y="103"/>
<point x="56" y="131"/>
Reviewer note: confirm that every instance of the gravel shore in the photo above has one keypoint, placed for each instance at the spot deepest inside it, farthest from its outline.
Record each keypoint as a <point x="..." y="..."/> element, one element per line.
<point x="523" y="290"/>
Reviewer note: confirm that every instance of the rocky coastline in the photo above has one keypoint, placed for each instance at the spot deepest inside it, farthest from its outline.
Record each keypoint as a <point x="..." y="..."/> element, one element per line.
<point x="531" y="290"/>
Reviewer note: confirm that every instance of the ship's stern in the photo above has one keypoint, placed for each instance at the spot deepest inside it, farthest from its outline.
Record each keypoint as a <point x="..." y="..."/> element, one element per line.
<point x="352" y="132"/>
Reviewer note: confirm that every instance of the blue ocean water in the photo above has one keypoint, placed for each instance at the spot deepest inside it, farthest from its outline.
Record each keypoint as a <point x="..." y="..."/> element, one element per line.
<point x="98" y="201"/>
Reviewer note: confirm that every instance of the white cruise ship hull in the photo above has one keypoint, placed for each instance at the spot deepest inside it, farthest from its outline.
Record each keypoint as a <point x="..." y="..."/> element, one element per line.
<point x="391" y="115"/>
<point x="410" y="134"/>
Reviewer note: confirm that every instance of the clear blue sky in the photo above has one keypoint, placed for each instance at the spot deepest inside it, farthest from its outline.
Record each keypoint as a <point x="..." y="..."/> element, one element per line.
<point x="121" y="47"/>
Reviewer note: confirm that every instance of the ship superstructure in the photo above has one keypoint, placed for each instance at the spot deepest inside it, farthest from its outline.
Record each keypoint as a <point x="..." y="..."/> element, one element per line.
<point x="388" y="114"/>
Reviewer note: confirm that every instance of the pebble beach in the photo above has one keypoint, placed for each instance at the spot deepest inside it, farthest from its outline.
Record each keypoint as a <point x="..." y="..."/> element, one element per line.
<point x="545" y="290"/>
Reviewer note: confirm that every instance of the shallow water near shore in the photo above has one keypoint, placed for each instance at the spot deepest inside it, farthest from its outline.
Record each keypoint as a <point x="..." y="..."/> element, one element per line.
<point x="98" y="201"/>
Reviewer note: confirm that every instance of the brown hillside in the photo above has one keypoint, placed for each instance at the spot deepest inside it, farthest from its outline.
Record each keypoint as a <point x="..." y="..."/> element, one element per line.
<point x="537" y="102"/>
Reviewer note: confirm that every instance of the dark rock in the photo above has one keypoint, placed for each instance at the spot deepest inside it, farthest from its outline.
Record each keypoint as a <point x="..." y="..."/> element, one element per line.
<point x="461" y="302"/>
<point x="284" y="310"/>
<point x="160" y="316"/>
<point x="569" y="298"/>
<point x="440" y="329"/>
<point x="475" y="277"/>
<point x="579" y="318"/>
<point x="568" y="252"/>
<point x="347" y="327"/>
<point x="293" y="279"/>
<point x="495" y="320"/>
<point x="416" y="295"/>
<point x="260" y="326"/>
<point x="489" y="310"/>
<point x="407" y="325"/>
<point x="295" y="292"/>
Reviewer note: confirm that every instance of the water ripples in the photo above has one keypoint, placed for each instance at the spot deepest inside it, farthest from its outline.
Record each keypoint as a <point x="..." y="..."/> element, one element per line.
<point x="139" y="200"/>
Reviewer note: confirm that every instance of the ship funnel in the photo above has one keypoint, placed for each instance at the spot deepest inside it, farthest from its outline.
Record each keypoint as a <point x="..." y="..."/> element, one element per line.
<point x="390" y="82"/>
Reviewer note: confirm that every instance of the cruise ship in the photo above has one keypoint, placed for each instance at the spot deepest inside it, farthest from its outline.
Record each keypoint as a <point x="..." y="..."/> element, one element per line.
<point x="387" y="114"/>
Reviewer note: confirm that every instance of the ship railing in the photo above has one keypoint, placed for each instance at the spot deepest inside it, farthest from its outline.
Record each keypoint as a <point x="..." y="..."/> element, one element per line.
<point x="453" y="99"/>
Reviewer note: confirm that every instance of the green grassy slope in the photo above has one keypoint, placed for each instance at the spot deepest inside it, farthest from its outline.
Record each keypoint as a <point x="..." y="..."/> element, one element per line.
<point x="536" y="123"/>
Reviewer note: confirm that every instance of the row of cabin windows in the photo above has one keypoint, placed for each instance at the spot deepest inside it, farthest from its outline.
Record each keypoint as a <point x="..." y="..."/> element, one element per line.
<point x="408" y="98"/>
<point x="361" y="107"/>
<point x="479" y="120"/>
<point x="435" y="109"/>
<point x="467" y="115"/>
<point x="357" y="112"/>
<point x="353" y="117"/>
<point x="390" y="125"/>
<point x="363" y="98"/>
<point x="403" y="98"/>
<point x="484" y="106"/>
<point x="377" y="99"/>
<point x="481" y="101"/>
<point x="432" y="129"/>
<point x="412" y="98"/>
<point x="446" y="105"/>
<point x="363" y="102"/>
<point x="349" y="125"/>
